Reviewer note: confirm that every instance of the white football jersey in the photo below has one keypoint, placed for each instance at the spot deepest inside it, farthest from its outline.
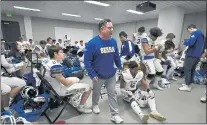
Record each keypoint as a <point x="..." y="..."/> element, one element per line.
<point x="57" y="86"/>
<point x="41" y="49"/>
<point x="22" y="45"/>
<point x="131" y="82"/>
<point x="149" y="42"/>
<point x="138" y="38"/>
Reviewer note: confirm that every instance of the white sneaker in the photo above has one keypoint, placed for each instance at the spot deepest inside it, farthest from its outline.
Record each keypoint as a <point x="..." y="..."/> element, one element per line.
<point x="96" y="109"/>
<point x="173" y="78"/>
<point x="185" y="88"/>
<point x="165" y="81"/>
<point x="183" y="84"/>
<point x="157" y="116"/>
<point x="144" y="118"/>
<point x="82" y="109"/>
<point x="117" y="119"/>
<point x="203" y="99"/>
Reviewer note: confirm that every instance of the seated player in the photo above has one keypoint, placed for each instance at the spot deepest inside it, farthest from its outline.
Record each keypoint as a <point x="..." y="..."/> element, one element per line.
<point x="22" y="45"/>
<point x="148" y="52"/>
<point x="168" y="60"/>
<point x="59" y="43"/>
<point x="11" y="67"/>
<point x="171" y="36"/>
<point x="76" y="44"/>
<point x="80" y="54"/>
<point x="12" y="85"/>
<point x="49" y="44"/>
<point x="31" y="45"/>
<point x="7" y="81"/>
<point x="65" y="86"/>
<point x="130" y="80"/>
<point x="41" y="49"/>
<point x="54" y="42"/>
<point x="81" y="45"/>
<point x="127" y="48"/>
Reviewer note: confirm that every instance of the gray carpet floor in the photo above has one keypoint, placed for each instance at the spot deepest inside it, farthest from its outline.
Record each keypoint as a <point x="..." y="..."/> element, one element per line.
<point x="178" y="107"/>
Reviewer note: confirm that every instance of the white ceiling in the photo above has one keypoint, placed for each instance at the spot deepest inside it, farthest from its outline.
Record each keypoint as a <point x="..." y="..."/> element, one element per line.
<point x="116" y="12"/>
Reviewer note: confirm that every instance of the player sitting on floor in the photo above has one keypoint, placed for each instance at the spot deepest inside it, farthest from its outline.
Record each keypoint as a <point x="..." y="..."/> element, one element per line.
<point x="65" y="86"/>
<point x="130" y="80"/>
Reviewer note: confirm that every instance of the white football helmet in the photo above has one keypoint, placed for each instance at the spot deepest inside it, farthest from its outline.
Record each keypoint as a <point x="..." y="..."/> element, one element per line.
<point x="175" y="54"/>
<point x="75" y="100"/>
<point x="29" y="92"/>
<point x="141" y="97"/>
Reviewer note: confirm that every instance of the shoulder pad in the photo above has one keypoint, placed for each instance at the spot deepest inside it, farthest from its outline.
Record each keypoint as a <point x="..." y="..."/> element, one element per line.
<point x="144" y="34"/>
<point x="57" y="69"/>
<point x="45" y="61"/>
<point x="134" y="34"/>
<point x="145" y="40"/>
<point x="126" y="75"/>
<point x="139" y="75"/>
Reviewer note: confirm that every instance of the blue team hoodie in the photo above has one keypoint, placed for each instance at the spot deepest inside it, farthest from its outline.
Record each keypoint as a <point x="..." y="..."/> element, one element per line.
<point x="100" y="56"/>
<point x="127" y="48"/>
<point x="195" y="44"/>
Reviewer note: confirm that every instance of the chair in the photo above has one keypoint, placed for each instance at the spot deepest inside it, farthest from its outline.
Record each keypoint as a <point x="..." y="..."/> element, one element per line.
<point x="62" y="100"/>
<point x="35" y="64"/>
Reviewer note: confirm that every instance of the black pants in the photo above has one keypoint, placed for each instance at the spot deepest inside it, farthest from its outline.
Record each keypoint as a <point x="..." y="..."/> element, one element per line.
<point x="189" y="69"/>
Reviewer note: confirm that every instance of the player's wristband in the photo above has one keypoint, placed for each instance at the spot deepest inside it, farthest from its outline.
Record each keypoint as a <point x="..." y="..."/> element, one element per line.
<point x="162" y="59"/>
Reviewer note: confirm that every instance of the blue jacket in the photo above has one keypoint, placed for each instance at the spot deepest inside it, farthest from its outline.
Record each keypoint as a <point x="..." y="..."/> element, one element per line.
<point x="100" y="56"/>
<point x="195" y="44"/>
<point x="127" y="48"/>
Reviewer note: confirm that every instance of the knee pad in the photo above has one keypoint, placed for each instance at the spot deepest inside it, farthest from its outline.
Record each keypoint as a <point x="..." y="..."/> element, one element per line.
<point x="150" y="76"/>
<point x="133" y="103"/>
<point x="159" y="73"/>
<point x="132" y="100"/>
<point x="151" y="95"/>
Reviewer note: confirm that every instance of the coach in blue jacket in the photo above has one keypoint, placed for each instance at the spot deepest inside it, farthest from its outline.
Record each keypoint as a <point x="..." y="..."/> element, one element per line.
<point x="100" y="55"/>
<point x="193" y="54"/>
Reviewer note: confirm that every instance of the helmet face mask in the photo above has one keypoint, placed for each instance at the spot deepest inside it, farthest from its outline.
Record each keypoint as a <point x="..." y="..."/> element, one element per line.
<point x="29" y="92"/>
<point x="141" y="98"/>
<point x="21" y="120"/>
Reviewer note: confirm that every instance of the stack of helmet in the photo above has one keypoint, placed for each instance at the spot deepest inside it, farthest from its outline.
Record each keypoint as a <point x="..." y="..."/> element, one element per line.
<point x="32" y="104"/>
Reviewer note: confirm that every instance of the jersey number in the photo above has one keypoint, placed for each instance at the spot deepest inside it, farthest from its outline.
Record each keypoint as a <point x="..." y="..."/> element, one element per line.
<point x="132" y="84"/>
<point x="138" y="41"/>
